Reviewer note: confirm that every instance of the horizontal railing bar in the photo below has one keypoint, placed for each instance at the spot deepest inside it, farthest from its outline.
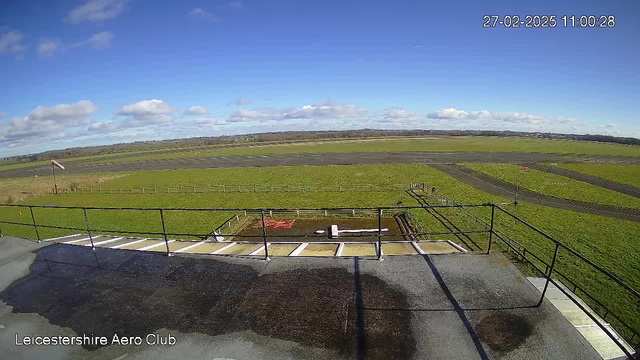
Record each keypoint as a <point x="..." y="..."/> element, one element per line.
<point x="248" y="209"/>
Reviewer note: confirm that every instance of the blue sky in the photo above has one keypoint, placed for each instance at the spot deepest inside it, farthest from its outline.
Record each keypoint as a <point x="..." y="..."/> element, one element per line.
<point x="80" y="72"/>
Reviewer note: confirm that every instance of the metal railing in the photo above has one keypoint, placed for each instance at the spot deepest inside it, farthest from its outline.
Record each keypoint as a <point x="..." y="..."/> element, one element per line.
<point x="489" y="227"/>
<point x="243" y="188"/>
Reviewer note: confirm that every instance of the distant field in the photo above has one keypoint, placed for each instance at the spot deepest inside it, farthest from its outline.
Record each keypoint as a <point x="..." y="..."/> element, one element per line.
<point x="603" y="240"/>
<point x="626" y="174"/>
<point x="441" y="144"/>
<point x="556" y="185"/>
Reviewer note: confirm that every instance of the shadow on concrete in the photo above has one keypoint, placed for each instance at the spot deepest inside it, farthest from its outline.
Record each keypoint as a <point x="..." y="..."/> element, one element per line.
<point x="133" y="293"/>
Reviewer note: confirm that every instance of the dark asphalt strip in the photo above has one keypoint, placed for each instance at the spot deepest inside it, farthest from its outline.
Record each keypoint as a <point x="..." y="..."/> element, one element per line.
<point x="498" y="187"/>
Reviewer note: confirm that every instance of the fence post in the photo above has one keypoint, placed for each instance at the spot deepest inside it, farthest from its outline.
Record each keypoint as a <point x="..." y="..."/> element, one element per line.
<point x="86" y="222"/>
<point x="164" y="232"/>
<point x="264" y="237"/>
<point x="493" y="210"/>
<point x="380" y="234"/>
<point x="553" y="263"/>
<point x="34" y="223"/>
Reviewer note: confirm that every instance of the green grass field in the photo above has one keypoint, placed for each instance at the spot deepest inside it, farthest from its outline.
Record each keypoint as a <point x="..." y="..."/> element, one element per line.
<point x="439" y="144"/>
<point x="626" y="174"/>
<point x="604" y="240"/>
<point x="556" y="185"/>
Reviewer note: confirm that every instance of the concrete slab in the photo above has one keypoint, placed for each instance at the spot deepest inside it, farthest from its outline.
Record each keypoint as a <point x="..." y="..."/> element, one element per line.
<point x="319" y="250"/>
<point x="359" y="250"/>
<point x="398" y="249"/>
<point x="438" y="247"/>
<point x="279" y="249"/>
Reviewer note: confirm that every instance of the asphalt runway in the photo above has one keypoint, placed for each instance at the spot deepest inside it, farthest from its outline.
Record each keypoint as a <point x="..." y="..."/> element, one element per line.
<point x="495" y="186"/>
<point x="314" y="159"/>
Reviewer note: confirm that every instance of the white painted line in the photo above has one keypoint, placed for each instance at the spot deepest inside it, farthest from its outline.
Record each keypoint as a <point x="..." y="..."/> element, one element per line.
<point x="106" y="241"/>
<point x="78" y="240"/>
<point x="155" y="245"/>
<point x="60" y="237"/>
<point x="299" y="249"/>
<point x="456" y="246"/>
<point x="418" y="248"/>
<point x="190" y="246"/>
<point x="259" y="249"/>
<point x="339" y="251"/>
<point x="376" y="246"/>
<point x="129" y="243"/>
<point x="222" y="248"/>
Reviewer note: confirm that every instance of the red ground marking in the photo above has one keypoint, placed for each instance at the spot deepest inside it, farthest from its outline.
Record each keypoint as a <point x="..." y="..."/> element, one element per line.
<point x="275" y="224"/>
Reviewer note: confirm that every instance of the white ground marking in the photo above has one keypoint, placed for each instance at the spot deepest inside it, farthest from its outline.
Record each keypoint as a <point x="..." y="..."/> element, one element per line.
<point x="418" y="248"/>
<point x="299" y="249"/>
<point x="456" y="246"/>
<point x="129" y="243"/>
<point x="190" y="246"/>
<point x="106" y="241"/>
<point x="155" y="245"/>
<point x="339" y="251"/>
<point x="223" y="248"/>
<point x="259" y="249"/>
<point x="60" y="237"/>
<point x="78" y="240"/>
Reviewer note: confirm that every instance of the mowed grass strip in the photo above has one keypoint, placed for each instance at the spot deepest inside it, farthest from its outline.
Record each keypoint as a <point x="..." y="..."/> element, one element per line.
<point x="606" y="241"/>
<point x="431" y="144"/>
<point x="626" y="174"/>
<point x="556" y="185"/>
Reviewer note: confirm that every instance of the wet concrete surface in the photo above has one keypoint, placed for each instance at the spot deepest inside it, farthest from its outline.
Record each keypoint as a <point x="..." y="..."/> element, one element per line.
<point x="316" y="159"/>
<point x="496" y="186"/>
<point x="436" y="307"/>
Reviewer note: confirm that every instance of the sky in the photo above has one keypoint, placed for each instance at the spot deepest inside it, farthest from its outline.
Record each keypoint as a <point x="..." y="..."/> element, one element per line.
<point x="93" y="72"/>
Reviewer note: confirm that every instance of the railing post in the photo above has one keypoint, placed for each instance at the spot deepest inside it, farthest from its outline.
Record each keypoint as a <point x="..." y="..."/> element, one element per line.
<point x="86" y="222"/>
<point x="264" y="237"/>
<point x="380" y="234"/>
<point x="553" y="263"/>
<point x="493" y="210"/>
<point x="35" y="227"/>
<point x="164" y="232"/>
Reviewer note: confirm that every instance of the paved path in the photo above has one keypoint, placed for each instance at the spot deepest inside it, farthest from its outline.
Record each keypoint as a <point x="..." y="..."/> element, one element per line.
<point x="503" y="188"/>
<point x="311" y="159"/>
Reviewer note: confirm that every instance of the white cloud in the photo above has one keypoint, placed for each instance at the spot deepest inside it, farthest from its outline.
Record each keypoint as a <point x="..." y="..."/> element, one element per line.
<point x="101" y="40"/>
<point x="196" y="110"/>
<point x="47" y="47"/>
<point x="326" y="112"/>
<point x="97" y="10"/>
<point x="513" y="117"/>
<point x="239" y="101"/>
<point x="2" y="114"/>
<point x="256" y="114"/>
<point x="104" y="126"/>
<point x="398" y="115"/>
<point x="210" y="121"/>
<point x="48" y="121"/>
<point x="11" y="42"/>
<point x="147" y="112"/>
<point x="203" y="14"/>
